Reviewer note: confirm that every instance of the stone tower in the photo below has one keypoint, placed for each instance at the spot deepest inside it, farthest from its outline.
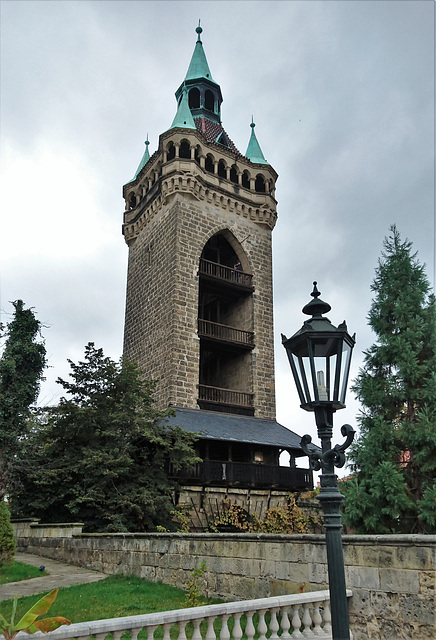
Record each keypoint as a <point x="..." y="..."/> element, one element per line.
<point x="198" y="222"/>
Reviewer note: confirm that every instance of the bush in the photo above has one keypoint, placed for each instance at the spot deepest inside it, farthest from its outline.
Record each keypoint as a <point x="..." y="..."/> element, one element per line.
<point x="7" y="542"/>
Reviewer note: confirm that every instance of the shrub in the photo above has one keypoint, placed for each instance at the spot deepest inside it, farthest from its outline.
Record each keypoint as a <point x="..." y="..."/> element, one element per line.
<point x="7" y="542"/>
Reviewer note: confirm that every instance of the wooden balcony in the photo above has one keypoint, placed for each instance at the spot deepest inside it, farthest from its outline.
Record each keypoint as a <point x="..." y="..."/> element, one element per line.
<point x="245" y="474"/>
<point x="228" y="399"/>
<point x="227" y="275"/>
<point x="224" y="334"/>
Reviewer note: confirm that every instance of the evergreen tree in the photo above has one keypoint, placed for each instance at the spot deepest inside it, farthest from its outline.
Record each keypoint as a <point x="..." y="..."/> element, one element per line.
<point x="101" y="456"/>
<point x="394" y="458"/>
<point x="7" y="542"/>
<point x="21" y="366"/>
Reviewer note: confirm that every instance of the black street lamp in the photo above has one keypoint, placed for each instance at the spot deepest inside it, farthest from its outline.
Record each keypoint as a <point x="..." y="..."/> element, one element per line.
<point x="320" y="357"/>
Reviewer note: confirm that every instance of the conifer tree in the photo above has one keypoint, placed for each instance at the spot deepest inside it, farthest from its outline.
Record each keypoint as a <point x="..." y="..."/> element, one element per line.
<point x="21" y="366"/>
<point x="101" y="456"/>
<point x="7" y="541"/>
<point x="394" y="459"/>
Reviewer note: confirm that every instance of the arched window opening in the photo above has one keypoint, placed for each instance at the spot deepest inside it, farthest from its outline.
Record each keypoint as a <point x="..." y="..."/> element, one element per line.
<point x="209" y="100"/>
<point x="171" y="153"/>
<point x="194" y="98"/>
<point x="197" y="155"/>
<point x="209" y="164"/>
<point x="217" y="249"/>
<point x="234" y="174"/>
<point x="222" y="169"/>
<point x="185" y="149"/>
<point x="245" y="180"/>
<point x="259" y="184"/>
<point x="132" y="201"/>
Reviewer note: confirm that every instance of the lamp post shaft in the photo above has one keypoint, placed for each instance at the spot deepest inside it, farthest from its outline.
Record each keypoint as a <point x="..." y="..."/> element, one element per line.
<point x="330" y="498"/>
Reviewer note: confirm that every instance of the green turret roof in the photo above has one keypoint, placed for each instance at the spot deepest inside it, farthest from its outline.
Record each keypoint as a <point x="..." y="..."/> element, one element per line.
<point x="183" y="117"/>
<point x="254" y="152"/>
<point x="144" y="160"/>
<point x="198" y="67"/>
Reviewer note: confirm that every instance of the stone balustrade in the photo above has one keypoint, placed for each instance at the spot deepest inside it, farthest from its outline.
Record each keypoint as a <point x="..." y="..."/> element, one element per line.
<point x="304" y="615"/>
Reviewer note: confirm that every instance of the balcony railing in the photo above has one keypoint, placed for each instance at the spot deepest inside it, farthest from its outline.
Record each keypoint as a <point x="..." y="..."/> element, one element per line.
<point x="304" y="615"/>
<point x="245" y="473"/>
<point x="224" y="333"/>
<point x="228" y="397"/>
<point x="227" y="274"/>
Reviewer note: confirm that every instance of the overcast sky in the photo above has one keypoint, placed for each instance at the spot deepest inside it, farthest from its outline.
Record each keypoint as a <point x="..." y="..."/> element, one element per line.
<point x="342" y="94"/>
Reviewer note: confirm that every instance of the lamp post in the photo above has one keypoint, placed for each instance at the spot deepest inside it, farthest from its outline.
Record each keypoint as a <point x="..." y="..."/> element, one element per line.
<point x="320" y="357"/>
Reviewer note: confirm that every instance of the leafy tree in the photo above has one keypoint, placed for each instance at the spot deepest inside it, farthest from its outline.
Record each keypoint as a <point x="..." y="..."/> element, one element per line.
<point x="100" y="456"/>
<point x="21" y="366"/>
<point x="394" y="460"/>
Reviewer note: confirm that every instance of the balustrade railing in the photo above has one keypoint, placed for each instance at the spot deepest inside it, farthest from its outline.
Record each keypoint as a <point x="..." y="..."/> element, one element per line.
<point x="245" y="473"/>
<point x="304" y="615"/>
<point x="222" y="272"/>
<point x="231" y="397"/>
<point x="223" y="332"/>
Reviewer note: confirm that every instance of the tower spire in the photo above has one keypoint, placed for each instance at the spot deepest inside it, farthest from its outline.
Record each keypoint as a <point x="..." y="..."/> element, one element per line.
<point x="198" y="67"/>
<point x="254" y="152"/>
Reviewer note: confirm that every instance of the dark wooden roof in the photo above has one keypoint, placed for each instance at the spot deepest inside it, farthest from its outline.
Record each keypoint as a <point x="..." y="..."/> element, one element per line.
<point x="213" y="425"/>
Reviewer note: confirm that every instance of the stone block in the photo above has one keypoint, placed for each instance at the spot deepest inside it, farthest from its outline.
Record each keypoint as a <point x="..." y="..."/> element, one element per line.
<point x="384" y="605"/>
<point x="399" y="580"/>
<point x="415" y="557"/>
<point x="363" y="577"/>
<point x="427" y="583"/>
<point x="318" y="573"/>
<point x="394" y="629"/>
<point x="268" y="569"/>
<point x="360" y="603"/>
<point x="416" y="609"/>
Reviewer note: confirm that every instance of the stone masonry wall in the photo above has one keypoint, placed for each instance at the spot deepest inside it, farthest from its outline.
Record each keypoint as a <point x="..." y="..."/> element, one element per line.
<point x="162" y="299"/>
<point x="392" y="577"/>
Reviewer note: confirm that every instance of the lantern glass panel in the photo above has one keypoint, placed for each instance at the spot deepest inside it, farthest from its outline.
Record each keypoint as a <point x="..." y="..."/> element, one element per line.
<point x="301" y="370"/>
<point x="345" y="369"/>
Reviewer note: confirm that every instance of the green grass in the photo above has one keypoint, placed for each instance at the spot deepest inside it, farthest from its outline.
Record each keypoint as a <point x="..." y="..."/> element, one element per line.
<point x="19" y="571"/>
<point x="113" y="597"/>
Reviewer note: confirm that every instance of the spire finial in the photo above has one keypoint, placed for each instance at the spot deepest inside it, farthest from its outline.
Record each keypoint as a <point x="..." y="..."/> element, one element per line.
<point x="315" y="293"/>
<point x="199" y="30"/>
<point x="252" y="125"/>
<point x="316" y="307"/>
<point x="147" y="142"/>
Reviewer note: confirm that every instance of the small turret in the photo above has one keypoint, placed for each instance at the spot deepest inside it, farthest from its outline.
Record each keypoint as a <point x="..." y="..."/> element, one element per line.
<point x="254" y="152"/>
<point x="183" y="118"/>
<point x="145" y="158"/>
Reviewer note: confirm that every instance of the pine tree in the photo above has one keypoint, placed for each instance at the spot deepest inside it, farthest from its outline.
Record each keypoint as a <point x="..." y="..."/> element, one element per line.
<point x="101" y="456"/>
<point x="394" y="459"/>
<point x="21" y="366"/>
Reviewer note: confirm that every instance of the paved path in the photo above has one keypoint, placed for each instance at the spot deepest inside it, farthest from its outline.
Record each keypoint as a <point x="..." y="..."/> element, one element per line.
<point x="61" y="575"/>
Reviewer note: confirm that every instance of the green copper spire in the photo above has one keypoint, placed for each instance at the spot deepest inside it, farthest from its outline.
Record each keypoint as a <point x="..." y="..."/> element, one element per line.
<point x="144" y="160"/>
<point x="198" y="67"/>
<point x="254" y="152"/>
<point x="183" y="117"/>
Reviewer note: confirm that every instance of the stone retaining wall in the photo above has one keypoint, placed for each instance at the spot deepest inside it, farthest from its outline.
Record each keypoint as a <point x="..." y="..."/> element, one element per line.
<point x="392" y="577"/>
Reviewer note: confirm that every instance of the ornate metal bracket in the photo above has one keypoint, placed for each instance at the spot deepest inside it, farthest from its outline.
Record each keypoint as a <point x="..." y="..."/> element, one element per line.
<point x="335" y="456"/>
